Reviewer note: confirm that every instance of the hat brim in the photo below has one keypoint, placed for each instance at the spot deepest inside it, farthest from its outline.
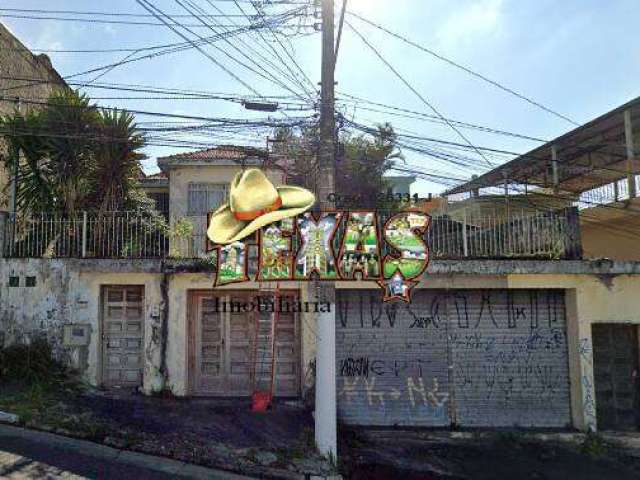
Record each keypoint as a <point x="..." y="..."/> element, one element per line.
<point x="225" y="228"/>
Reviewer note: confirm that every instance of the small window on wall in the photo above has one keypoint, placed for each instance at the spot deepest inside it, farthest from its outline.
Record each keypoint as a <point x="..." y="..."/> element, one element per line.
<point x="14" y="281"/>
<point x="204" y="197"/>
<point x="30" y="282"/>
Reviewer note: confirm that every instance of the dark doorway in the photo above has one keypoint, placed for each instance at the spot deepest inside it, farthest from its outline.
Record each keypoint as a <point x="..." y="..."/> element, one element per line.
<point x="615" y="369"/>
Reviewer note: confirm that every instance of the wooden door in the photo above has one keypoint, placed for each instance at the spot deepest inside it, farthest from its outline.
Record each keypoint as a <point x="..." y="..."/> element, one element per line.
<point x="122" y="335"/>
<point x="222" y="345"/>
<point x="240" y="328"/>
<point x="208" y="354"/>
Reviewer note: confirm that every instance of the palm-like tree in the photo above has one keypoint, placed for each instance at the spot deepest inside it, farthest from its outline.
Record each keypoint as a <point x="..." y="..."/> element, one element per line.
<point x="117" y="161"/>
<point x="74" y="156"/>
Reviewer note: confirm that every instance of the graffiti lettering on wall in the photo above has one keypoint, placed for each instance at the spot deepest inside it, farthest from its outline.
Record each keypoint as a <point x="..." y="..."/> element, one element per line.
<point x="415" y="392"/>
<point x="502" y="351"/>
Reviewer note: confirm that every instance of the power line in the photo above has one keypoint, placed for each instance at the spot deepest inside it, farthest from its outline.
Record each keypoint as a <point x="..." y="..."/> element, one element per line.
<point x="425" y="116"/>
<point x="106" y="14"/>
<point x="269" y="122"/>
<point x="96" y="20"/>
<point x="266" y="75"/>
<point x="264" y="59"/>
<point x="466" y="69"/>
<point x="424" y="100"/>
<point x="255" y="5"/>
<point x="152" y="9"/>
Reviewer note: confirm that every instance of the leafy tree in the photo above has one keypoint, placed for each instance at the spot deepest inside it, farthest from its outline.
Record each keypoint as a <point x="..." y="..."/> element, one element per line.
<point x="361" y="162"/>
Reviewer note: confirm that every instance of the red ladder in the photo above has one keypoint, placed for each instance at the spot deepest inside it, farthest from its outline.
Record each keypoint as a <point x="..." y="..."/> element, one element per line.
<point x="263" y="370"/>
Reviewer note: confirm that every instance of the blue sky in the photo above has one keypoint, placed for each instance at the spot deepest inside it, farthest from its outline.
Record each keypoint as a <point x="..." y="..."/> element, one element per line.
<point x="578" y="57"/>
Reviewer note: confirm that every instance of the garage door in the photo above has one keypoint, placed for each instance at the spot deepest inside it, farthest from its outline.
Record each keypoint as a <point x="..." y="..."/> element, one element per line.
<point x="470" y="358"/>
<point x="123" y="329"/>
<point x="222" y="345"/>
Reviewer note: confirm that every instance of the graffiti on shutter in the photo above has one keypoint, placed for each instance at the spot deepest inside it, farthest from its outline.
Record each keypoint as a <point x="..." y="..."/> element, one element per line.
<point x="472" y="358"/>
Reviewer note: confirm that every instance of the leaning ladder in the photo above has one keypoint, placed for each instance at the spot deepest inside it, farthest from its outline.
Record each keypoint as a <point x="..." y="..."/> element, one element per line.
<point x="264" y="352"/>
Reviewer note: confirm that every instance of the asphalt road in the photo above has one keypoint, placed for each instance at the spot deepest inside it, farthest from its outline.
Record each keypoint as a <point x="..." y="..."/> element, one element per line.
<point x="26" y="454"/>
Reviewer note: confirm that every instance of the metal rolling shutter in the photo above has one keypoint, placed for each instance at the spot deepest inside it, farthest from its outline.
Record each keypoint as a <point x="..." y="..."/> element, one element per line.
<point x="390" y="370"/>
<point x="507" y="351"/>
<point x="510" y="358"/>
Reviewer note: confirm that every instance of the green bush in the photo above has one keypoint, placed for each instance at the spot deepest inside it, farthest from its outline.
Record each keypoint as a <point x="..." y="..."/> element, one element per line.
<point x="30" y="363"/>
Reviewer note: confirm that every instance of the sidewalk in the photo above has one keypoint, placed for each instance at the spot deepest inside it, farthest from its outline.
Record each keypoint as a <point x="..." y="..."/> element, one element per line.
<point x="27" y="454"/>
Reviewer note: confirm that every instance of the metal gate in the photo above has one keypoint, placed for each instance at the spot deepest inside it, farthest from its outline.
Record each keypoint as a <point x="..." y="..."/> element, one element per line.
<point x="122" y="334"/>
<point x="221" y="344"/>
<point x="615" y="371"/>
<point x="466" y="357"/>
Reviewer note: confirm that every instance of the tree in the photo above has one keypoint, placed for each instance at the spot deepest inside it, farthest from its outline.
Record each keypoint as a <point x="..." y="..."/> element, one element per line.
<point x="74" y="156"/>
<point x="361" y="162"/>
<point x="117" y="162"/>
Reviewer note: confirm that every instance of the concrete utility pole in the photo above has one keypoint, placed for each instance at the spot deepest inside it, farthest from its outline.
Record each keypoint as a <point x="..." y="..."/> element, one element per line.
<point x="325" y="413"/>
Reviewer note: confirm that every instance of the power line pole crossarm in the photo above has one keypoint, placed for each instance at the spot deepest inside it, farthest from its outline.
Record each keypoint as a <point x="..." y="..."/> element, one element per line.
<point x="325" y="408"/>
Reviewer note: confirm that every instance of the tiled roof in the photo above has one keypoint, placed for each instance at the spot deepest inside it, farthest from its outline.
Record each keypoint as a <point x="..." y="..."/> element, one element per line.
<point x="223" y="152"/>
<point x="156" y="176"/>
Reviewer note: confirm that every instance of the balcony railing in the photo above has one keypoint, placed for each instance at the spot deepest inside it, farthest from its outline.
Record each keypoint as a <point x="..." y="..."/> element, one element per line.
<point x="550" y="234"/>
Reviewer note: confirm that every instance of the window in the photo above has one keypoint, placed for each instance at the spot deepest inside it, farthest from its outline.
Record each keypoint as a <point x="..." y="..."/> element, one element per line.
<point x="14" y="281"/>
<point x="204" y="197"/>
<point x="161" y="200"/>
<point x="30" y="281"/>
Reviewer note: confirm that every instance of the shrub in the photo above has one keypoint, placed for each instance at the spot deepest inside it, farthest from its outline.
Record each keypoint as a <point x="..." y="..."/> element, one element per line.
<point x="30" y="363"/>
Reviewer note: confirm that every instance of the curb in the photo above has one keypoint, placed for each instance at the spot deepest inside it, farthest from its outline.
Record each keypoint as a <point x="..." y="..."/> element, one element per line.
<point x="151" y="462"/>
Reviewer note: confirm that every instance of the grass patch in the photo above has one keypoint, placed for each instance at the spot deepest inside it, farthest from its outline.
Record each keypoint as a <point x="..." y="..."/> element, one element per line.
<point x="594" y="446"/>
<point x="38" y="388"/>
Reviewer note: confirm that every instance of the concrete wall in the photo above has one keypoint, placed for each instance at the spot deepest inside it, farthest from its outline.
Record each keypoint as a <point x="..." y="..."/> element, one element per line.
<point x="599" y="237"/>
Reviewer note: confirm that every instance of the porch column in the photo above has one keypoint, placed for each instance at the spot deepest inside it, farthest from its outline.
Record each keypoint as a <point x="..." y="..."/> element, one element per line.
<point x="628" y="137"/>
<point x="325" y="411"/>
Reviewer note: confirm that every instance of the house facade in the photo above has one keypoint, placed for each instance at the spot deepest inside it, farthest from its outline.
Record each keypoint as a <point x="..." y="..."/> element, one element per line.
<point x="513" y="323"/>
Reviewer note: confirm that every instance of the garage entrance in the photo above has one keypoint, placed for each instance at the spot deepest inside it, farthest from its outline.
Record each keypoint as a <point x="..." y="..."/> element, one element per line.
<point x="615" y="371"/>
<point x="222" y="344"/>
<point x="471" y="358"/>
<point x="122" y="334"/>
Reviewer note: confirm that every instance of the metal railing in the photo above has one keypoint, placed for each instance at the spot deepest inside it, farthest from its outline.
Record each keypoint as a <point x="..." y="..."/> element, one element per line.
<point x="452" y="235"/>
<point x="549" y="234"/>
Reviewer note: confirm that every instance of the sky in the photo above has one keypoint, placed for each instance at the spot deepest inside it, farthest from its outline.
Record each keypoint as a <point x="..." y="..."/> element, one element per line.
<point x="577" y="57"/>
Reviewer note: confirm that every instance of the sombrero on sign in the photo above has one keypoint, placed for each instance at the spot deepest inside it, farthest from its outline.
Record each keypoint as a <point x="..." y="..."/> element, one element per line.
<point x="253" y="203"/>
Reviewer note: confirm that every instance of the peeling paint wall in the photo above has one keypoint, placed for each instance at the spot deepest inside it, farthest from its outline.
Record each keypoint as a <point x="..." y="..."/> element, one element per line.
<point x="64" y="294"/>
<point x="44" y="308"/>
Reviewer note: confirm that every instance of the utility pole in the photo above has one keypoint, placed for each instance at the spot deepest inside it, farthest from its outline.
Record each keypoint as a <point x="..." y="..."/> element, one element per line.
<point x="325" y="408"/>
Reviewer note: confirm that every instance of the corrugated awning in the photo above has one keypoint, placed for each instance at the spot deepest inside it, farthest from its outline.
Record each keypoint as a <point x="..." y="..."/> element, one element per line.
<point x="589" y="156"/>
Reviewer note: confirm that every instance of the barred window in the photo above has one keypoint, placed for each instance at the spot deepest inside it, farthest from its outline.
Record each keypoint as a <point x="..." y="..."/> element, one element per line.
<point x="204" y="197"/>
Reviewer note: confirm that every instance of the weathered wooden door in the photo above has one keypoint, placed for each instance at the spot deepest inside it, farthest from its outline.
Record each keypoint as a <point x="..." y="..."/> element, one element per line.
<point x="615" y="370"/>
<point x="222" y="344"/>
<point x="287" y="375"/>
<point x="122" y="335"/>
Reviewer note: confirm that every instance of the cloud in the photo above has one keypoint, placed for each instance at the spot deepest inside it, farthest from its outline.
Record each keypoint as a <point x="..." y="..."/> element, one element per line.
<point x="479" y="18"/>
<point x="48" y="38"/>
